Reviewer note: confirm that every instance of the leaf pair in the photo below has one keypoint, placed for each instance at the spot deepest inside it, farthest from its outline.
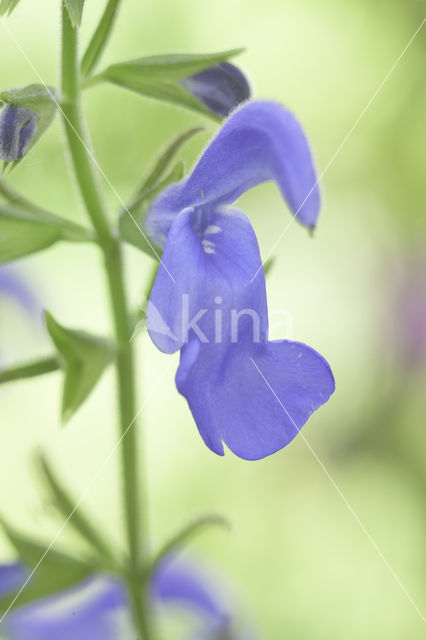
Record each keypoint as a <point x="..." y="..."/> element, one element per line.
<point x="50" y="571"/>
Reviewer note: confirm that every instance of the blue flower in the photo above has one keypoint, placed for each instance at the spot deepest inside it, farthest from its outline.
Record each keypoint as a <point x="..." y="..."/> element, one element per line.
<point x="98" y="609"/>
<point x="407" y="302"/>
<point x="13" y="286"/>
<point x="185" y="585"/>
<point x="91" y="611"/>
<point x="17" y="128"/>
<point x="220" y="88"/>
<point x="209" y="297"/>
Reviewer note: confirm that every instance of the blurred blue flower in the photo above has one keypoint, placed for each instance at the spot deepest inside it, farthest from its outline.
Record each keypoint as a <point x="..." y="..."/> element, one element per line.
<point x="17" y="128"/>
<point x="13" y="286"/>
<point x="220" y="88"/>
<point x="98" y="609"/>
<point x="408" y="309"/>
<point x="209" y="297"/>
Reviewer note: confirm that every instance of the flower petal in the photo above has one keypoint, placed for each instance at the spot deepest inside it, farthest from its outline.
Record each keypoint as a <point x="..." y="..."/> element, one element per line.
<point x="12" y="576"/>
<point x="181" y="581"/>
<point x="95" y="610"/>
<point x="254" y="397"/>
<point x="184" y="584"/>
<point x="260" y="141"/>
<point x="13" y="285"/>
<point x="203" y="277"/>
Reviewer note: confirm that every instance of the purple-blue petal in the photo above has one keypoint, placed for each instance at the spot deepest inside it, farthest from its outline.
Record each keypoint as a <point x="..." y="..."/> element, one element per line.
<point x="260" y="141"/>
<point x="253" y="397"/>
<point x="17" y="128"/>
<point x="95" y="610"/>
<point x="220" y="88"/>
<point x="13" y="285"/>
<point x="207" y="266"/>
<point x="12" y="577"/>
<point x="183" y="584"/>
<point x="98" y="608"/>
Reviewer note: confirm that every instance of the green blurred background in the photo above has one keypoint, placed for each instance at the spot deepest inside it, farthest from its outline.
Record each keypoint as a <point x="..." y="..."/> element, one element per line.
<point x="298" y="557"/>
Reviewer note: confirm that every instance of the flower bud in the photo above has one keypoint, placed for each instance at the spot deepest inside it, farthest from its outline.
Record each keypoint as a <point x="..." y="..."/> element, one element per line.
<point x="24" y="117"/>
<point x="17" y="128"/>
<point x="220" y="88"/>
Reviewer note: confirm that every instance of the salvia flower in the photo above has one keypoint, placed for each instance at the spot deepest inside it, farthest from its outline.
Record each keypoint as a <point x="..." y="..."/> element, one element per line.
<point x="209" y="297"/>
<point x="13" y="286"/>
<point x="220" y="88"/>
<point x="25" y="115"/>
<point x="98" y="609"/>
<point x="407" y="318"/>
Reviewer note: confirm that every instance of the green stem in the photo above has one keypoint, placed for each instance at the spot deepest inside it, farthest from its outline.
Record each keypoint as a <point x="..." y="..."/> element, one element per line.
<point x="14" y="197"/>
<point x="81" y="157"/>
<point x="30" y="370"/>
<point x="100" y="38"/>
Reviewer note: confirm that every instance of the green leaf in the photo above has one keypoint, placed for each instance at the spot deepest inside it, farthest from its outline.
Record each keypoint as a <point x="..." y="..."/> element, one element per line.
<point x="53" y="570"/>
<point x="268" y="265"/>
<point x="75" y="10"/>
<point x="100" y="38"/>
<point x="187" y="533"/>
<point x="41" y="100"/>
<point x="159" y="76"/>
<point x="176" y="66"/>
<point x="139" y="317"/>
<point x="165" y="158"/>
<point x="23" y="233"/>
<point x="30" y="370"/>
<point x="7" y="6"/>
<point x="85" y="358"/>
<point x="132" y="219"/>
<point x="67" y="506"/>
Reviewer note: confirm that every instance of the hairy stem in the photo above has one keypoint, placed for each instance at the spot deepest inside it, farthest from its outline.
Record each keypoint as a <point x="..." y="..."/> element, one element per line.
<point x="83" y="165"/>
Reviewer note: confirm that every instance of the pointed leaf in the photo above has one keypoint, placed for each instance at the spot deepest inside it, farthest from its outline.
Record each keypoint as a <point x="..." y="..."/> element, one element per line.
<point x="7" y="6"/>
<point x="23" y="233"/>
<point x="30" y="370"/>
<point x="75" y="10"/>
<point x="139" y="317"/>
<point x="188" y="532"/>
<point x="66" y="506"/>
<point x="53" y="570"/>
<point x="171" y="66"/>
<point x="85" y="358"/>
<point x="100" y="37"/>
<point x="159" y="76"/>
<point x="268" y="265"/>
<point x="165" y="158"/>
<point x="132" y="220"/>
